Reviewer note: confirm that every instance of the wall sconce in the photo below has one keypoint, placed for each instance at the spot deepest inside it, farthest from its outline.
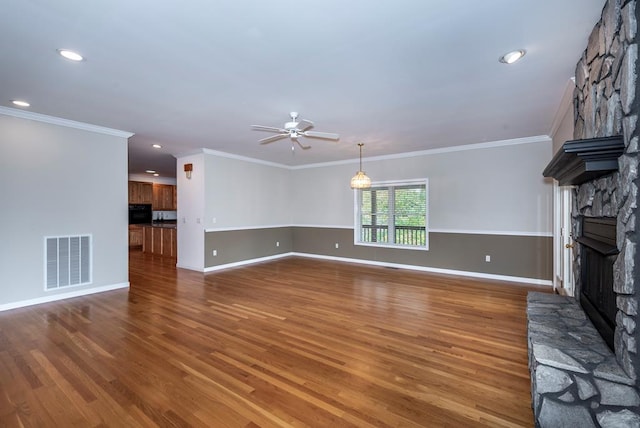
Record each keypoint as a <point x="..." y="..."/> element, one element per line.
<point x="188" y="167"/>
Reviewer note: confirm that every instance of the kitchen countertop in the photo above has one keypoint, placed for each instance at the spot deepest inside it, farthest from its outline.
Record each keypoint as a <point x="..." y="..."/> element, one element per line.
<point x="163" y="224"/>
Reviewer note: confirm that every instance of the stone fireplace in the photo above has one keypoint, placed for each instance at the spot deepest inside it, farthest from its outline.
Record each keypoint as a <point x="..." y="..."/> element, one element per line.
<point x="606" y="104"/>
<point x="577" y="380"/>
<point x="598" y="254"/>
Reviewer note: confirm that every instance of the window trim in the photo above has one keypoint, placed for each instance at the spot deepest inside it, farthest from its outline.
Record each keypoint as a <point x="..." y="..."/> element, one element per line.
<point x="358" y="226"/>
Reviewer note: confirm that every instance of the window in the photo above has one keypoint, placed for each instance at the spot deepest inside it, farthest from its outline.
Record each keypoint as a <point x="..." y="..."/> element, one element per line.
<point x="393" y="214"/>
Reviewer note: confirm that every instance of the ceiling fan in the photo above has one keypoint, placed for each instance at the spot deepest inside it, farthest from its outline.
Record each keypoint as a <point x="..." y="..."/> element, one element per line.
<point x="294" y="130"/>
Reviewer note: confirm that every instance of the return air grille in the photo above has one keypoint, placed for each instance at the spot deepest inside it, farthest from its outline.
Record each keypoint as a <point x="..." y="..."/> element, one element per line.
<point x="68" y="261"/>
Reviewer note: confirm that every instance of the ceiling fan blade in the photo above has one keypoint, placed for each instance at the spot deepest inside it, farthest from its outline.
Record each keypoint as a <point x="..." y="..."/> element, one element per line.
<point x="302" y="146"/>
<point x="325" y="135"/>
<point x="267" y="128"/>
<point x="304" y="124"/>
<point x="273" y="138"/>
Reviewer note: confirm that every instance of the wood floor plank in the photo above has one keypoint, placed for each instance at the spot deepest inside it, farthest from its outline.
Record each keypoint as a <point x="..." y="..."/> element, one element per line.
<point x="288" y="343"/>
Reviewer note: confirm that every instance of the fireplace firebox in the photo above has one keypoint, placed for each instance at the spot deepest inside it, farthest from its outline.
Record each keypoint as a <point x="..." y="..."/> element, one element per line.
<point x="598" y="253"/>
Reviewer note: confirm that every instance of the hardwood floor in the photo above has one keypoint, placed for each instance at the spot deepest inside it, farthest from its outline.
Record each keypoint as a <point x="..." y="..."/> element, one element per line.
<point x="294" y="342"/>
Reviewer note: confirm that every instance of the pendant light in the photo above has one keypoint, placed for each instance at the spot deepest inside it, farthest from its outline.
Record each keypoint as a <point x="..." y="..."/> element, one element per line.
<point x="360" y="180"/>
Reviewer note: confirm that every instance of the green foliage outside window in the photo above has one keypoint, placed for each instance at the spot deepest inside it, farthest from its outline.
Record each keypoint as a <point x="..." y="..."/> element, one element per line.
<point x="394" y="215"/>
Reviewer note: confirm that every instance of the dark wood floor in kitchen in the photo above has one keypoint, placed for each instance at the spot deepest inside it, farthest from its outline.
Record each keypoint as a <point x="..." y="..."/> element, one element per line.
<point x="293" y="342"/>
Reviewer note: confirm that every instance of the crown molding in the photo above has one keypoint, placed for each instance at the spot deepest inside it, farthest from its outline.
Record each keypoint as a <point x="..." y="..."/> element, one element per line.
<point x="63" y="122"/>
<point x="476" y="146"/>
<point x="244" y="158"/>
<point x="230" y="156"/>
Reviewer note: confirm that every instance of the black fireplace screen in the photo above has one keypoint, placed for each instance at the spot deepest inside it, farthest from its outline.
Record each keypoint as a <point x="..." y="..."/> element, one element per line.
<point x="598" y="254"/>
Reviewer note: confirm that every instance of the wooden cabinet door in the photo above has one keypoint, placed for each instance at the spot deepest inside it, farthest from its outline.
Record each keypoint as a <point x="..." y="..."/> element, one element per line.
<point x="157" y="197"/>
<point x="140" y="193"/>
<point x="167" y="197"/>
<point x="175" y="198"/>
<point x="174" y="243"/>
<point x="157" y="240"/>
<point x="132" y="192"/>
<point x="146" y="190"/>
<point x="163" y="197"/>
<point x="147" y="239"/>
<point x="135" y="236"/>
<point x="169" y="242"/>
<point x="160" y="241"/>
<point x="135" y="193"/>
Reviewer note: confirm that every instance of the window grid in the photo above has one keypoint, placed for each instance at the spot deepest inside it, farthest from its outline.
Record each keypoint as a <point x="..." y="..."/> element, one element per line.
<point x="393" y="214"/>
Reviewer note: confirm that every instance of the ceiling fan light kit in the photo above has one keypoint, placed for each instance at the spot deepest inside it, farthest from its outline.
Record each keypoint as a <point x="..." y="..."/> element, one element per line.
<point x="294" y="130"/>
<point x="360" y="180"/>
<point x="301" y="128"/>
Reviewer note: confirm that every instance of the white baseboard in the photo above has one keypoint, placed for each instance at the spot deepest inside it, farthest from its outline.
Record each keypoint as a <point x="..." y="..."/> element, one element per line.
<point x="247" y="262"/>
<point x="189" y="267"/>
<point x="481" y="275"/>
<point x="523" y="280"/>
<point x="55" y="297"/>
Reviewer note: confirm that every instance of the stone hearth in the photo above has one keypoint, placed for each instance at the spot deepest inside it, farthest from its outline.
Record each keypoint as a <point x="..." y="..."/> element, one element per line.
<point x="576" y="380"/>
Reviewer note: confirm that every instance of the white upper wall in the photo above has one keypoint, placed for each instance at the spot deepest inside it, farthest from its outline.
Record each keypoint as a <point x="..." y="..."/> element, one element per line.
<point x="562" y="127"/>
<point x="490" y="188"/>
<point x="564" y="132"/>
<point x="55" y="181"/>
<point x="190" y="214"/>
<point x="244" y="194"/>
<point x="477" y="189"/>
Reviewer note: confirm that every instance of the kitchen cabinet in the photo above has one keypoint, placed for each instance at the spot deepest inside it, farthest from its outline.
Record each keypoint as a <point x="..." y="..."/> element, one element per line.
<point x="164" y="197"/>
<point x="147" y="239"/>
<point x="168" y="242"/>
<point x="160" y="240"/>
<point x="175" y="197"/>
<point x="135" y="235"/>
<point x="156" y="240"/>
<point x="140" y="192"/>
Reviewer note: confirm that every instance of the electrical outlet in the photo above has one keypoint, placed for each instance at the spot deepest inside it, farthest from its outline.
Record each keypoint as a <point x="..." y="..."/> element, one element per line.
<point x="337" y="245"/>
<point x="213" y="220"/>
<point x="487" y="258"/>
<point x="215" y="252"/>
<point x="198" y="220"/>
<point x="277" y="243"/>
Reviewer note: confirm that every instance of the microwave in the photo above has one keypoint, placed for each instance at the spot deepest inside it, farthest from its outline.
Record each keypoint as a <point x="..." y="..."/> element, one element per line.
<point x="140" y="213"/>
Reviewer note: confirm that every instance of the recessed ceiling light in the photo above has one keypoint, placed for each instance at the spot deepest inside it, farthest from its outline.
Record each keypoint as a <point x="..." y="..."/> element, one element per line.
<point x="150" y="171"/>
<point x="156" y="146"/>
<point x="156" y="175"/>
<point x="73" y="56"/>
<point x="513" y="56"/>
<point x="20" y="103"/>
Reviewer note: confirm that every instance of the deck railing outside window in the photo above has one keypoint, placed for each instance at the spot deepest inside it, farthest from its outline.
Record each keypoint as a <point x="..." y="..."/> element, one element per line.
<point x="405" y="235"/>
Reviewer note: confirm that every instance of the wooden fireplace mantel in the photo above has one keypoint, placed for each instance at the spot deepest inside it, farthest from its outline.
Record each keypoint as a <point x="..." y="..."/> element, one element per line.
<point x="579" y="161"/>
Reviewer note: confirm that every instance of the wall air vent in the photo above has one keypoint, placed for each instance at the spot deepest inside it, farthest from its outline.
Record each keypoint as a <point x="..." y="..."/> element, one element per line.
<point x="67" y="261"/>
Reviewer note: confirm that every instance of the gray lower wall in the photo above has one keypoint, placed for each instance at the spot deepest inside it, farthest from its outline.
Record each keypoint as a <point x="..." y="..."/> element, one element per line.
<point x="234" y="246"/>
<point x="518" y="256"/>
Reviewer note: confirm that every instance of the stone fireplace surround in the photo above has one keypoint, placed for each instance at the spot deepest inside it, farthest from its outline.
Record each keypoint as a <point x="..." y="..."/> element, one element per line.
<point x="576" y="380"/>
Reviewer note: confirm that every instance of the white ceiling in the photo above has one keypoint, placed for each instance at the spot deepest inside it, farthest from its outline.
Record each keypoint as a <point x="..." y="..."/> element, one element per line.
<point x="400" y="76"/>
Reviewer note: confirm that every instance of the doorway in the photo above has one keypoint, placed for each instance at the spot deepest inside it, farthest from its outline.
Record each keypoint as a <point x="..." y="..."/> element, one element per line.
<point x="563" y="281"/>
